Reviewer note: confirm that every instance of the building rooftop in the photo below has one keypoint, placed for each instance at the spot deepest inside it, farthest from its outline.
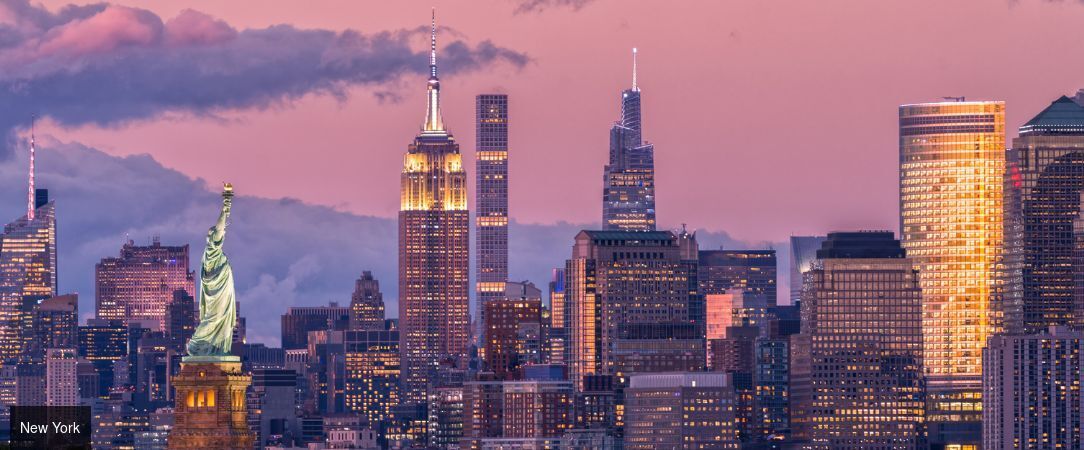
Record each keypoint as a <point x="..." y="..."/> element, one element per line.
<point x="1063" y="116"/>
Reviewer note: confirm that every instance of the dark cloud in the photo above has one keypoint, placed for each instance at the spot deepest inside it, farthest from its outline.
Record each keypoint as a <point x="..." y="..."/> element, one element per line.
<point x="527" y="6"/>
<point x="106" y="64"/>
<point x="284" y="252"/>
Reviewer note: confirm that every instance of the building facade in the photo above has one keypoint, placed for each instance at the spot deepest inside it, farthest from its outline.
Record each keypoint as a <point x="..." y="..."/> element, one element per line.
<point x="491" y="195"/>
<point x="28" y="270"/>
<point x="434" y="242"/>
<point x="752" y="271"/>
<point x="619" y="282"/>
<point x="803" y="250"/>
<point x="628" y="193"/>
<point x="61" y="388"/>
<point x="1031" y="390"/>
<point x="140" y="282"/>
<point x="680" y="411"/>
<point x="865" y="306"/>
<point x="1045" y="176"/>
<point x="952" y="166"/>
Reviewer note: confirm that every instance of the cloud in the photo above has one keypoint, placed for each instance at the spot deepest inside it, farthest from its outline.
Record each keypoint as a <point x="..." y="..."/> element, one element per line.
<point x="528" y="6"/>
<point x="107" y="64"/>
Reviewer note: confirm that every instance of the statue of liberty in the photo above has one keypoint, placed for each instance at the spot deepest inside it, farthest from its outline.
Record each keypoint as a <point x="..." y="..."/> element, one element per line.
<point x="217" y="300"/>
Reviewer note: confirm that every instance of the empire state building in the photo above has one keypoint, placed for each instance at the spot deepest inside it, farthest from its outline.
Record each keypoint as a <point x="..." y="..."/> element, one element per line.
<point x="433" y="248"/>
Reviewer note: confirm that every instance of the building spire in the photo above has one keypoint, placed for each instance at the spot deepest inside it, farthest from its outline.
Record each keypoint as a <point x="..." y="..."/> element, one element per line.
<point x="433" y="122"/>
<point x="30" y="189"/>
<point x="634" y="86"/>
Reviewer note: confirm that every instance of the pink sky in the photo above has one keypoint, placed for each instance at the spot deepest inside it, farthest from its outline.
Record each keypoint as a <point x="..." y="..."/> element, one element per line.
<point x="769" y="118"/>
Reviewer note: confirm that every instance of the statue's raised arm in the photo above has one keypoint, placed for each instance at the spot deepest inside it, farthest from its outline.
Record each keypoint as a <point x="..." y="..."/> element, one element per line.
<point x="218" y="309"/>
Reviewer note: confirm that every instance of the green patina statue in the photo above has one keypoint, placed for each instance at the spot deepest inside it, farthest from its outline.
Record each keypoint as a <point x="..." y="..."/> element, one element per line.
<point x="217" y="300"/>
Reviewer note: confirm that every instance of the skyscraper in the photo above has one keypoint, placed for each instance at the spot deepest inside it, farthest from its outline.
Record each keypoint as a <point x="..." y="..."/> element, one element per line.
<point x="865" y="311"/>
<point x="60" y="386"/>
<point x="434" y="241"/>
<point x="28" y="265"/>
<point x="680" y="410"/>
<point x="491" y="212"/>
<point x="140" y="282"/>
<point x="1031" y="390"/>
<point x="952" y="166"/>
<point x="366" y="304"/>
<point x="630" y="287"/>
<point x="300" y="320"/>
<point x="803" y="250"/>
<point x="628" y="192"/>
<point x="1045" y="175"/>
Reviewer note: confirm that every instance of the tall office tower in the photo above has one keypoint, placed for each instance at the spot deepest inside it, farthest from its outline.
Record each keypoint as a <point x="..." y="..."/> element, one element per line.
<point x="619" y="283"/>
<point x="752" y="271"/>
<point x="61" y="388"/>
<point x="1031" y="390"/>
<point x="628" y="180"/>
<point x="372" y="370"/>
<point x="55" y="325"/>
<point x="680" y="410"/>
<point x="952" y="167"/>
<point x="300" y="320"/>
<point x="27" y="264"/>
<point x="366" y="304"/>
<point x="511" y="338"/>
<point x="139" y="283"/>
<point x="866" y="308"/>
<point x="803" y="250"/>
<point x="180" y="320"/>
<point x="491" y="212"/>
<point x="1045" y="169"/>
<point x="445" y="417"/>
<point x="434" y="241"/>
<point x="104" y="343"/>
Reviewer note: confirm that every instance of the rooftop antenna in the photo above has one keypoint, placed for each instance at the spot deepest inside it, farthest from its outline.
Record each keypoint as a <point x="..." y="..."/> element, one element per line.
<point x="30" y="188"/>
<point x="634" y="86"/>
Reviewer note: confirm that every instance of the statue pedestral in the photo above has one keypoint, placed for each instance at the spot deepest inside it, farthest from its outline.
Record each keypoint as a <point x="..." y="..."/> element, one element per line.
<point x="210" y="410"/>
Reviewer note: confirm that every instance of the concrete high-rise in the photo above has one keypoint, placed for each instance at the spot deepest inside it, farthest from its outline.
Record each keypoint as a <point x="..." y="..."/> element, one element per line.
<point x="140" y="282"/>
<point x="631" y="286"/>
<point x="628" y="192"/>
<point x="28" y="264"/>
<point x="491" y="195"/>
<point x="1045" y="176"/>
<point x="1031" y="390"/>
<point x="61" y="388"/>
<point x="865" y="320"/>
<point x="434" y="241"/>
<point x="952" y="170"/>
<point x="366" y="304"/>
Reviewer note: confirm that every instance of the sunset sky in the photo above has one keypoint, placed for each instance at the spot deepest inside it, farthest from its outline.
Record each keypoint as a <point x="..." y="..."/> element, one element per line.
<point x="769" y="118"/>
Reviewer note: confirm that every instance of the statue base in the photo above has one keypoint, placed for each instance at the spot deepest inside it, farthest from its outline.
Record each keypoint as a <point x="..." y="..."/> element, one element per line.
<point x="209" y="411"/>
<point x="211" y="359"/>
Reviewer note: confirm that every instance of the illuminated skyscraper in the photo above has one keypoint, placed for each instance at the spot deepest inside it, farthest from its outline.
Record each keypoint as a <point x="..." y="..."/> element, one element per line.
<point x="952" y="166"/>
<point x="629" y="295"/>
<point x="752" y="271"/>
<point x="864" y="315"/>
<point x="491" y="211"/>
<point x="139" y="284"/>
<point x="1045" y="175"/>
<point x="27" y="264"/>
<point x="628" y="182"/>
<point x="434" y="241"/>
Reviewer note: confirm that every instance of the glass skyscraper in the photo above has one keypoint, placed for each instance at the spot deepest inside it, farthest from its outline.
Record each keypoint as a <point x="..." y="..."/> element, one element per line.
<point x="28" y="266"/>
<point x="434" y="241"/>
<point x="803" y="250"/>
<point x="1044" y="179"/>
<point x="952" y="166"/>
<point x="628" y="197"/>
